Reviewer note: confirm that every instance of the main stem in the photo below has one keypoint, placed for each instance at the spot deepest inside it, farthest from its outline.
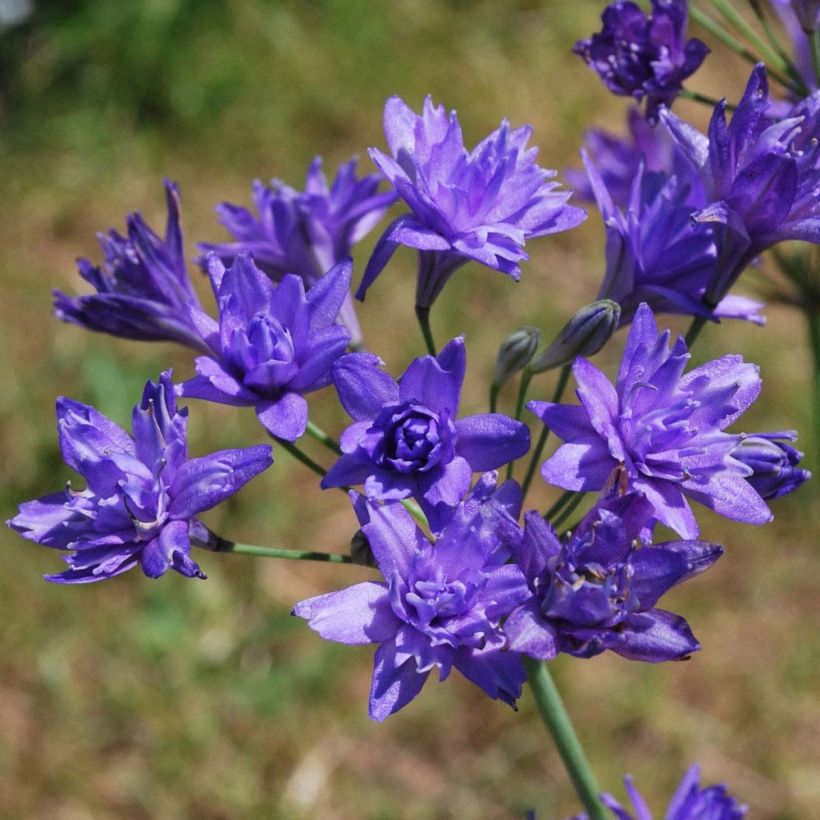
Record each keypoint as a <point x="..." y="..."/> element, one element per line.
<point x="216" y="543"/>
<point x="698" y="323"/>
<point x="423" y="315"/>
<point x="557" y="721"/>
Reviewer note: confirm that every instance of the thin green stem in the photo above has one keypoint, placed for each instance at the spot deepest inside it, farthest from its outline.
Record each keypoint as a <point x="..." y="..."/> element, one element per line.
<point x="559" y="725"/>
<point x="300" y="456"/>
<point x="523" y="386"/>
<point x="544" y="435"/>
<point x="553" y="510"/>
<point x="494" y="391"/>
<point x="696" y="96"/>
<point x="568" y="510"/>
<point x="742" y="25"/>
<point x="775" y="40"/>
<point x="423" y="315"/>
<point x="814" y="40"/>
<point x="698" y="323"/>
<point x="321" y="436"/>
<point x="216" y="543"/>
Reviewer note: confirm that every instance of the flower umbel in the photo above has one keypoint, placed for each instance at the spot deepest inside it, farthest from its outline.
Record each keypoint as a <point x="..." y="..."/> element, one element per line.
<point x="658" y="431"/>
<point x="482" y="205"/>
<point x="143" y="493"/>
<point x="439" y="606"/>
<point x="407" y="439"/>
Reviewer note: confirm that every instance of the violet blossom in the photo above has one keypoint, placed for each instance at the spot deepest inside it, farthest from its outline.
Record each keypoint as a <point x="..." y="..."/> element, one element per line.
<point x="272" y="344"/>
<point x="775" y="464"/>
<point x="305" y="232"/>
<point x="689" y="802"/>
<point x="143" y="492"/>
<point x="657" y="431"/>
<point x="481" y="205"/>
<point x="440" y="605"/>
<point x="598" y="589"/>
<point x="656" y="254"/>
<point x="407" y="440"/>
<point x="143" y="289"/>
<point x="761" y="177"/>
<point x="639" y="56"/>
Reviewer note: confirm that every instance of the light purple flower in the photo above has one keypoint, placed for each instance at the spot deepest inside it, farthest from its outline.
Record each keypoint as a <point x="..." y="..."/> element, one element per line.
<point x="481" y="205"/>
<point x="657" y="431"/>
<point x="272" y="344"/>
<point x="775" y="464"/>
<point x="439" y="606"/>
<point x="656" y="254"/>
<point x="143" y="289"/>
<point x="143" y="493"/>
<point x="305" y="232"/>
<point x="407" y="439"/>
<point x="761" y="177"/>
<point x="689" y="802"/>
<point x="639" y="56"/>
<point x="598" y="589"/>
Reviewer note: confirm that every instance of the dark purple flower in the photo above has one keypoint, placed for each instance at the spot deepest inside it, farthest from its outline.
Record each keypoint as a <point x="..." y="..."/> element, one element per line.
<point x="482" y="205"/>
<point x="143" y="493"/>
<point x="761" y="177"/>
<point x="774" y="463"/>
<point x="305" y="232"/>
<point x="406" y="439"/>
<point x="143" y="289"/>
<point x="439" y="606"/>
<point x="658" y="431"/>
<point x="272" y="344"/>
<point x="689" y="802"/>
<point x="639" y="56"/>
<point x="656" y="254"/>
<point x="618" y="159"/>
<point x="598" y="589"/>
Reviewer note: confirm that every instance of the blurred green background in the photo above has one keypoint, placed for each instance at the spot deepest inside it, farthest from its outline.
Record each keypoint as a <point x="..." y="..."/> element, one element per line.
<point x="177" y="699"/>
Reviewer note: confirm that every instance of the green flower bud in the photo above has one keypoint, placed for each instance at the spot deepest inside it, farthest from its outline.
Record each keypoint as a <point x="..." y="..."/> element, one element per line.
<point x="515" y="352"/>
<point x="583" y="335"/>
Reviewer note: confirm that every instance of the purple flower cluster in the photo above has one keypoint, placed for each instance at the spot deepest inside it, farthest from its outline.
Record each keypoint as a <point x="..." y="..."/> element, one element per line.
<point x="143" y="493"/>
<point x="639" y="56"/>
<point x="406" y="440"/>
<point x="305" y="233"/>
<point x="480" y="205"/>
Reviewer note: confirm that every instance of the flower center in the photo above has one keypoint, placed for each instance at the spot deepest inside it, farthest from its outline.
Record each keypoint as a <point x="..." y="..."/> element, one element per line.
<point x="413" y="438"/>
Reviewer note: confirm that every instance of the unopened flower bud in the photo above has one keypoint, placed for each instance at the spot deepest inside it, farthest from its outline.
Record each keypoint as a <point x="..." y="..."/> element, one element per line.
<point x="515" y="352"/>
<point x="583" y="335"/>
<point x="775" y="464"/>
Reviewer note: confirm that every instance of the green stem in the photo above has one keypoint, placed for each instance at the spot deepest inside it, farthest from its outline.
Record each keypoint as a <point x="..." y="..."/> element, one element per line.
<point x="775" y="41"/>
<point x="300" y="456"/>
<point x="698" y="323"/>
<point x="742" y="25"/>
<point x="557" y="721"/>
<point x="494" y="390"/>
<point x="703" y="98"/>
<point x="321" y="436"/>
<point x="423" y="315"/>
<point x="568" y="510"/>
<point x="553" y="510"/>
<point x="216" y="543"/>
<point x="544" y="435"/>
<point x="814" y="39"/>
<point x="523" y="386"/>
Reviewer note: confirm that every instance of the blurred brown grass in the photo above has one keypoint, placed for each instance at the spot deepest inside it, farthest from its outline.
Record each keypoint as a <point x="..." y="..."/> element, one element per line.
<point x="180" y="699"/>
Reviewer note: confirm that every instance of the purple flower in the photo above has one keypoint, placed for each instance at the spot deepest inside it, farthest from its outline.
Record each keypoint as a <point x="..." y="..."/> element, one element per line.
<point x="761" y="177"/>
<point x="482" y="205"/>
<point x="272" y="344"/>
<point x="439" y="606"/>
<point x="639" y="56"/>
<point x="406" y="439"/>
<point x="807" y="13"/>
<point x="598" y="589"/>
<point x="143" y="493"/>
<point x="305" y="232"/>
<point x="801" y="45"/>
<point x="656" y="254"/>
<point x="774" y="463"/>
<point x="618" y="160"/>
<point x="689" y="802"/>
<point x="143" y="289"/>
<point x="657" y="431"/>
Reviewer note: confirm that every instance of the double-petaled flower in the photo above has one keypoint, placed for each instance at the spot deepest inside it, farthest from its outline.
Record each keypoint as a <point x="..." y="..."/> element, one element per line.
<point x="272" y="343"/>
<point x="439" y="606"/>
<point x="482" y="204"/>
<point x="407" y="439"/>
<point x="143" y="289"/>
<point x="143" y="492"/>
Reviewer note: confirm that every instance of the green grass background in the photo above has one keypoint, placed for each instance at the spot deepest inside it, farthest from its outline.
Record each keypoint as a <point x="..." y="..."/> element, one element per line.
<point x="177" y="699"/>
